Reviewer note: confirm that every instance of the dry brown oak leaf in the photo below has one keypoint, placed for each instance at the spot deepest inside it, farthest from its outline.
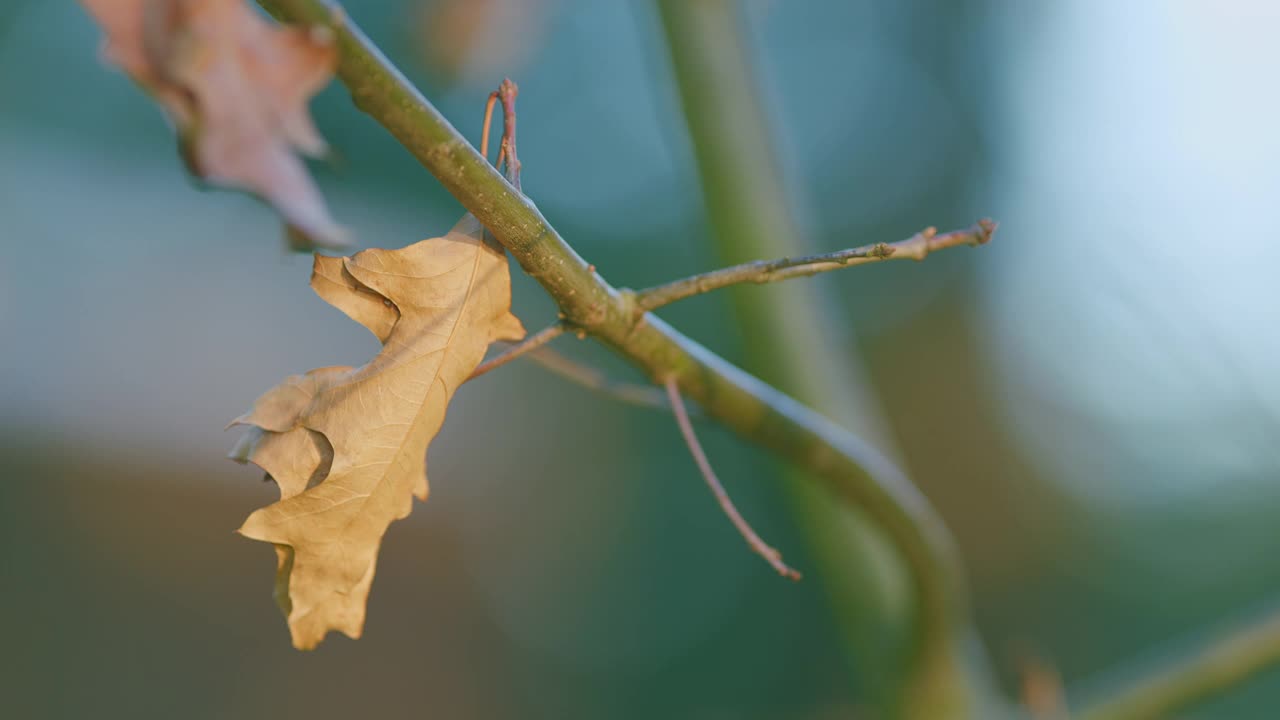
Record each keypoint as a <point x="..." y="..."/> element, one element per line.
<point x="236" y="86"/>
<point x="347" y="446"/>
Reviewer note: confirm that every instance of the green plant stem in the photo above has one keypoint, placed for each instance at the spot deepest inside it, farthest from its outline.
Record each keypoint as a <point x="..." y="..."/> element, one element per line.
<point x="904" y="650"/>
<point x="917" y="247"/>
<point x="856" y="472"/>
<point x="1224" y="662"/>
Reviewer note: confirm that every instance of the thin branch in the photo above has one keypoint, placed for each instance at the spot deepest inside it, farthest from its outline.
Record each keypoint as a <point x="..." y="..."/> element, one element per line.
<point x="507" y="93"/>
<point x="529" y="344"/>
<point x="588" y="377"/>
<point x="1221" y="664"/>
<point x="763" y="549"/>
<point x="488" y="120"/>
<point x="917" y="247"/>
<point x="593" y="379"/>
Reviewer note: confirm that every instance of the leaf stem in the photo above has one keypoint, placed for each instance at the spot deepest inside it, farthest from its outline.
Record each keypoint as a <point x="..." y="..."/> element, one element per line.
<point x="761" y="548"/>
<point x="590" y="378"/>
<point x="917" y="247"/>
<point x="529" y="344"/>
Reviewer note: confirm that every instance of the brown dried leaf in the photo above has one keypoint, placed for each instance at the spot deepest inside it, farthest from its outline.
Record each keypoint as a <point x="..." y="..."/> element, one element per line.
<point x="347" y="446"/>
<point x="237" y="88"/>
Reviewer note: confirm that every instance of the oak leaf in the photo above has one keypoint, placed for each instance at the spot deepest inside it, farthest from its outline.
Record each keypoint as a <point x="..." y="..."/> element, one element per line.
<point x="347" y="446"/>
<point x="236" y="87"/>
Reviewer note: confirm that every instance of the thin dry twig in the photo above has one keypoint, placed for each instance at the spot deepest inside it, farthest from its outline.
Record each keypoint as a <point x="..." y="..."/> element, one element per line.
<point x="593" y="379"/>
<point x="488" y="120"/>
<point x="917" y="247"/>
<point x="762" y="548"/>
<point x="529" y="344"/>
<point x="507" y="93"/>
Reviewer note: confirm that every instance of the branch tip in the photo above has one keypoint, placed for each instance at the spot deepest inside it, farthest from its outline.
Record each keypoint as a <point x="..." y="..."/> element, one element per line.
<point x="985" y="229"/>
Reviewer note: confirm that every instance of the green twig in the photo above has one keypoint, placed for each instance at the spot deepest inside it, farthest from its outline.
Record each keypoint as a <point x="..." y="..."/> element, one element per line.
<point x="1221" y="664"/>
<point x="917" y="247"/>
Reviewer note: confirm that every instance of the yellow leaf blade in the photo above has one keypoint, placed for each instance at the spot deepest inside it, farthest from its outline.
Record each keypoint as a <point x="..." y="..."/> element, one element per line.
<point x="237" y="88"/>
<point x="445" y="299"/>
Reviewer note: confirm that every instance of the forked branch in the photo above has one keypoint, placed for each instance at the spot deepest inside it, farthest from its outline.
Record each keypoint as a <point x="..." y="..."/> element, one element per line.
<point x="858" y="474"/>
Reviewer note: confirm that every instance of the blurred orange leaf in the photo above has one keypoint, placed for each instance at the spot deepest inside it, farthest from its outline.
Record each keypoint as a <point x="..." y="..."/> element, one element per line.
<point x="347" y="446"/>
<point x="472" y="41"/>
<point x="236" y="86"/>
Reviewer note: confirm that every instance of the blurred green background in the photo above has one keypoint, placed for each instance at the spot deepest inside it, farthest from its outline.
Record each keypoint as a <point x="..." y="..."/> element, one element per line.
<point x="1091" y="401"/>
